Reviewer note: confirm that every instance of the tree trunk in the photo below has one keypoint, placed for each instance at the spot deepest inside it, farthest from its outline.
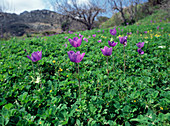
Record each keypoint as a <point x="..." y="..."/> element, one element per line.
<point x="123" y="16"/>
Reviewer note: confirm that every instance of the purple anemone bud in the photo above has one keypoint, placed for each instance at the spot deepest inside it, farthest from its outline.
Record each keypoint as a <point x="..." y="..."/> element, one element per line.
<point x="107" y="51"/>
<point x="85" y="39"/>
<point x="112" y="43"/>
<point x="65" y="45"/>
<point x="99" y="41"/>
<point x="81" y="36"/>
<point x="35" y="56"/>
<point x="140" y="44"/>
<point x="94" y="35"/>
<point x="140" y="51"/>
<point x="75" y="57"/>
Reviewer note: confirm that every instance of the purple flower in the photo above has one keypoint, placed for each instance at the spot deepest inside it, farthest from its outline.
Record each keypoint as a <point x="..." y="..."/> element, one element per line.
<point x="94" y="35"/>
<point x="98" y="31"/>
<point x="75" y="42"/>
<point x="154" y="21"/>
<point x="127" y="23"/>
<point x="123" y="40"/>
<point x="89" y="36"/>
<point x="157" y="28"/>
<point x="76" y="34"/>
<point x="112" y="43"/>
<point x="103" y="31"/>
<point x="66" y="37"/>
<point x="85" y="39"/>
<point x="118" y="28"/>
<point x="35" y="56"/>
<point x="70" y="32"/>
<point x="81" y="36"/>
<point x="113" y="31"/>
<point x="129" y="33"/>
<point x="160" y="20"/>
<point x="140" y="51"/>
<point x="65" y="45"/>
<point x="99" y="41"/>
<point x="75" y="57"/>
<point x="140" y="44"/>
<point x="107" y="51"/>
<point x="151" y="21"/>
<point x="25" y="50"/>
<point x="162" y="28"/>
<point x="121" y="29"/>
<point x="145" y="32"/>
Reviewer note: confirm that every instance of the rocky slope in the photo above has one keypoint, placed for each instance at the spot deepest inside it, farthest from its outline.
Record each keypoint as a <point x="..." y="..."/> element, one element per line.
<point x="35" y="21"/>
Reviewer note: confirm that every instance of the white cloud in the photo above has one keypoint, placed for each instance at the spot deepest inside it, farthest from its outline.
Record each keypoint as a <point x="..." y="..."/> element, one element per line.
<point x="19" y="6"/>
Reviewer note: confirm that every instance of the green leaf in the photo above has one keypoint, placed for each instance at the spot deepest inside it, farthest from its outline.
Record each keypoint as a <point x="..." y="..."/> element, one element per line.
<point x="8" y="106"/>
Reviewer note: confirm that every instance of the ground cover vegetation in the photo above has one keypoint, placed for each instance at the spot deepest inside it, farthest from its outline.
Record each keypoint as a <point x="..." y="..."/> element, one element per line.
<point x="43" y="82"/>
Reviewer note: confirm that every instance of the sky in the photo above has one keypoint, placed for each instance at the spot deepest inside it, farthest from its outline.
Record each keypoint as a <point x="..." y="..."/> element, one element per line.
<point x="19" y="6"/>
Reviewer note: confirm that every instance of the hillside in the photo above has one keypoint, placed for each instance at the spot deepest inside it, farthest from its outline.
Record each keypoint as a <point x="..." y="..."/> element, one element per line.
<point x="35" y="21"/>
<point x="144" y="15"/>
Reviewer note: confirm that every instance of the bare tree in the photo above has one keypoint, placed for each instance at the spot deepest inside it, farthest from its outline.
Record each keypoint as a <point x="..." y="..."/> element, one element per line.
<point x="133" y="9"/>
<point x="120" y="6"/>
<point x="81" y="12"/>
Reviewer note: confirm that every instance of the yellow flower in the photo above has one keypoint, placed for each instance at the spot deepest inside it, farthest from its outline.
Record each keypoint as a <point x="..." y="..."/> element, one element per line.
<point x="75" y="90"/>
<point x="140" y="34"/>
<point x="161" y="108"/>
<point x="50" y="91"/>
<point x="76" y="109"/>
<point x="67" y="75"/>
<point x="60" y="69"/>
<point x="39" y="105"/>
<point x="107" y="103"/>
<point x="145" y="37"/>
<point x="134" y="100"/>
<point x="53" y="61"/>
<point x="39" y="122"/>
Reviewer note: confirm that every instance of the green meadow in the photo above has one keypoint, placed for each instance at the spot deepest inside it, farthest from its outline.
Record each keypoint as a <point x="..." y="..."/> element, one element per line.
<point x="50" y="96"/>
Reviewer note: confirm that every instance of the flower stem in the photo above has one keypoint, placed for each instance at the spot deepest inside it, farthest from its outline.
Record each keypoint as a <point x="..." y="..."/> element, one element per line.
<point x="108" y="75"/>
<point x="33" y="69"/>
<point x="113" y="63"/>
<point x="40" y="75"/>
<point x="79" y="82"/>
<point x="124" y="59"/>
